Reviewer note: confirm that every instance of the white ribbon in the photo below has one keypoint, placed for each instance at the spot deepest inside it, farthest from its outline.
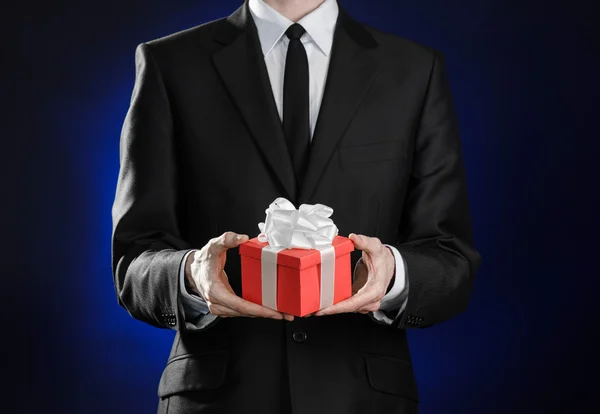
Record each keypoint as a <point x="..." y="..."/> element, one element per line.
<point x="309" y="227"/>
<point x="306" y="228"/>
<point x="327" y="276"/>
<point x="268" y="263"/>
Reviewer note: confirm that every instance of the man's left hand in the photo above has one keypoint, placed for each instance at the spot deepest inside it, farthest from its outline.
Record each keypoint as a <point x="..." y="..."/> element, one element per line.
<point x="371" y="278"/>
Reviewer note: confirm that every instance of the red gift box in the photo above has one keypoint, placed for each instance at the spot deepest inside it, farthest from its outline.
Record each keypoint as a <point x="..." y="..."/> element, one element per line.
<point x="298" y="276"/>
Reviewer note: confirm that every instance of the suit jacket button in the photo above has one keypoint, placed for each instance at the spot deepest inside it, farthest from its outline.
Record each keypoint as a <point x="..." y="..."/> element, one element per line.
<point x="299" y="336"/>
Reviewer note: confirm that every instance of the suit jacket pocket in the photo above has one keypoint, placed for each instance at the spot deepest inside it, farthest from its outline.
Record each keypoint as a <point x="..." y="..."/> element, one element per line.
<point x="362" y="153"/>
<point x="193" y="372"/>
<point x="391" y="376"/>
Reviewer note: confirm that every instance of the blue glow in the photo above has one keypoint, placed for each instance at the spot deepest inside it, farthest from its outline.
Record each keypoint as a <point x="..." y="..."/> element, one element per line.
<point x="497" y="357"/>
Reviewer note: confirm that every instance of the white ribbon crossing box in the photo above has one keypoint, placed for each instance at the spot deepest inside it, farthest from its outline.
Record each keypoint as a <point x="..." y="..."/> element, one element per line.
<point x="298" y="264"/>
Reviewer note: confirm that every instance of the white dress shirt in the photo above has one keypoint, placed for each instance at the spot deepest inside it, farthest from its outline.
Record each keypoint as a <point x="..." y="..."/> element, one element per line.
<point x="319" y="25"/>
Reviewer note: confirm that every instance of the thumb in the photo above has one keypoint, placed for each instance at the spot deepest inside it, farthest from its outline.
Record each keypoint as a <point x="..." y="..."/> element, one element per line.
<point x="237" y="239"/>
<point x="359" y="240"/>
<point x="229" y="239"/>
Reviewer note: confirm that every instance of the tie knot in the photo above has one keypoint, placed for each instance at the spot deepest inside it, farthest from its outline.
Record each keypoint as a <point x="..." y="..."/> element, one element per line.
<point x="295" y="31"/>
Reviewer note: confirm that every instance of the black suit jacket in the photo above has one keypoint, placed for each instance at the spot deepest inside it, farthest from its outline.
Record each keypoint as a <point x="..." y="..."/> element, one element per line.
<point x="203" y="152"/>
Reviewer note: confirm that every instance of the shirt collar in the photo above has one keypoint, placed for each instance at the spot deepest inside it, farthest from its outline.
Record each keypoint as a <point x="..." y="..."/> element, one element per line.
<point x="271" y="25"/>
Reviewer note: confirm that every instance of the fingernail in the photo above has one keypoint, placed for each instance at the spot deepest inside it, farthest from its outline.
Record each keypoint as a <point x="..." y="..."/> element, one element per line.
<point x="239" y="237"/>
<point x="351" y="234"/>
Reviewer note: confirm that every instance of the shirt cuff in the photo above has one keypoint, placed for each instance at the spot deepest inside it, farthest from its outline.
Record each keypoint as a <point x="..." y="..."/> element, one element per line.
<point x="398" y="294"/>
<point x="193" y="305"/>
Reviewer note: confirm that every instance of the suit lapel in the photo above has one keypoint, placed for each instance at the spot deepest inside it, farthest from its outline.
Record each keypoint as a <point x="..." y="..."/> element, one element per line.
<point x="351" y="71"/>
<point x="242" y="68"/>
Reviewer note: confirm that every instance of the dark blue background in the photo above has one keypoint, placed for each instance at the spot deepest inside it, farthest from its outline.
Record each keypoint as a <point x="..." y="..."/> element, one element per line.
<point x="517" y="70"/>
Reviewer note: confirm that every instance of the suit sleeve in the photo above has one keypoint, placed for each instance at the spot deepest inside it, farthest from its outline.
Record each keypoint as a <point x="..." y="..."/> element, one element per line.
<point x="147" y="245"/>
<point x="435" y="236"/>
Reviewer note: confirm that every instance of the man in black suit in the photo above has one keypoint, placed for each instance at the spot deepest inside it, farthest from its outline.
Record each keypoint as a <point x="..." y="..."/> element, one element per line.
<point x="296" y="100"/>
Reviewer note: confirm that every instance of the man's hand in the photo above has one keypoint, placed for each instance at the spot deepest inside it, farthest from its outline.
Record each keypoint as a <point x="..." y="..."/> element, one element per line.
<point x="372" y="278"/>
<point x="205" y="277"/>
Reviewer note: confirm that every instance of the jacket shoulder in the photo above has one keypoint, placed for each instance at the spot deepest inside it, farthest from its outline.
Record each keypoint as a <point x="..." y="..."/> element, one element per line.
<point x="393" y="45"/>
<point x="200" y="37"/>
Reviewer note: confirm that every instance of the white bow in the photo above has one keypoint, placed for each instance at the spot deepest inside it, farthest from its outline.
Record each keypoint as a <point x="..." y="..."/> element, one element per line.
<point x="309" y="227"/>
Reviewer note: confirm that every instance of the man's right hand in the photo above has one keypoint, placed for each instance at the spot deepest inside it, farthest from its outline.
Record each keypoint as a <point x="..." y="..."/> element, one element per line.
<point x="205" y="276"/>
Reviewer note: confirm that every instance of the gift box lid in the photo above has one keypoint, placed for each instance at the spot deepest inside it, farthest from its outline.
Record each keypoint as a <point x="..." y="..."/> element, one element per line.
<point x="296" y="258"/>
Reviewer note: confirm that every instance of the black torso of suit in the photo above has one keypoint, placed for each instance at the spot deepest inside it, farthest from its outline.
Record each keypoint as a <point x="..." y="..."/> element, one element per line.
<point x="203" y="152"/>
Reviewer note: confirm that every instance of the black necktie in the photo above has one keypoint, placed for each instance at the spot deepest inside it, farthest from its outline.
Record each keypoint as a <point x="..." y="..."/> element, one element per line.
<point x="295" y="101"/>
